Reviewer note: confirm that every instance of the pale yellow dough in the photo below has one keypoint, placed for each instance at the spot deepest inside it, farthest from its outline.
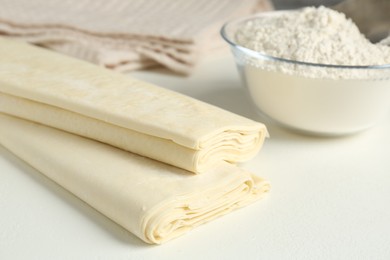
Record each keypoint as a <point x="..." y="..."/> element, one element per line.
<point x="81" y="98"/>
<point x="154" y="201"/>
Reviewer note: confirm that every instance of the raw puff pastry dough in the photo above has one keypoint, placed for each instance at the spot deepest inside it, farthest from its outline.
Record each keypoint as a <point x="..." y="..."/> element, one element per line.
<point x="154" y="201"/>
<point x="81" y="98"/>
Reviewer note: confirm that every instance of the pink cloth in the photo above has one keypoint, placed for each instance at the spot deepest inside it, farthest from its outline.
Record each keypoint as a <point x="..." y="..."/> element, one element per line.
<point x="125" y="34"/>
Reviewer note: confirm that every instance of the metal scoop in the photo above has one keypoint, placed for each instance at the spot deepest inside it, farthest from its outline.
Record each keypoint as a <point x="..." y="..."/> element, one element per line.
<point x="371" y="16"/>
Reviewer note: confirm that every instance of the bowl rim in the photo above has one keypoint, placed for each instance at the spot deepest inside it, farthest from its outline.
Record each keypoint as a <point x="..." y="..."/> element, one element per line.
<point x="265" y="56"/>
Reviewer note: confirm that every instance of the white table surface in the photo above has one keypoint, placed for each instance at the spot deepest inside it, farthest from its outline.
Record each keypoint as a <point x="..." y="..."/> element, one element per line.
<point x="330" y="197"/>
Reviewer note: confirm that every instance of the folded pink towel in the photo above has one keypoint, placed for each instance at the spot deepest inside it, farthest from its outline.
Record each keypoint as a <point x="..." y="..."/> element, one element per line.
<point x="125" y="35"/>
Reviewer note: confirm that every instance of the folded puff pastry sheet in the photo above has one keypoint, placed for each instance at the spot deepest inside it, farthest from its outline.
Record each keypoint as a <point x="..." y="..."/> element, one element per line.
<point x="153" y="200"/>
<point x="87" y="100"/>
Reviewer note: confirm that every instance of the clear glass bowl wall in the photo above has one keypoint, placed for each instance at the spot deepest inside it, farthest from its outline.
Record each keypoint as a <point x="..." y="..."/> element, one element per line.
<point x="317" y="98"/>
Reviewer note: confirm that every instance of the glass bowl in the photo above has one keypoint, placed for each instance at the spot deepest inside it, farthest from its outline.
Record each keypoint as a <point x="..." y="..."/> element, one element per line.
<point x="320" y="99"/>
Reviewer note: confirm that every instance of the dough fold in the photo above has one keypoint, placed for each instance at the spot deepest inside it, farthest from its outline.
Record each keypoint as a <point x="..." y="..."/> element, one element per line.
<point x="83" y="99"/>
<point x="154" y="201"/>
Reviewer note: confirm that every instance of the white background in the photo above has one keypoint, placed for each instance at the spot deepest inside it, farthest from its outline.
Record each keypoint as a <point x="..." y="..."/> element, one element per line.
<point x="330" y="197"/>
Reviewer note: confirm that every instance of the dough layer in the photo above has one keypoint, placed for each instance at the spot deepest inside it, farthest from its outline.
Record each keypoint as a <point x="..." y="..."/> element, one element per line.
<point x="149" y="120"/>
<point x="154" y="201"/>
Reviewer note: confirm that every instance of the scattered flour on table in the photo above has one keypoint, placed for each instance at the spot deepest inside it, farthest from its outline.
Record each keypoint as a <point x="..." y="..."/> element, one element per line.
<point x="315" y="35"/>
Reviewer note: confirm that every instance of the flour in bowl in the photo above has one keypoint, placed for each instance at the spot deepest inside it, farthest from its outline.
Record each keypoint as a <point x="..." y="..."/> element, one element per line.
<point x="316" y="35"/>
<point x="311" y="95"/>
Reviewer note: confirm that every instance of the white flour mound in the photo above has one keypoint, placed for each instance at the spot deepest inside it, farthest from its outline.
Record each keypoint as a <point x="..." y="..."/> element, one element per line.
<point x="315" y="35"/>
